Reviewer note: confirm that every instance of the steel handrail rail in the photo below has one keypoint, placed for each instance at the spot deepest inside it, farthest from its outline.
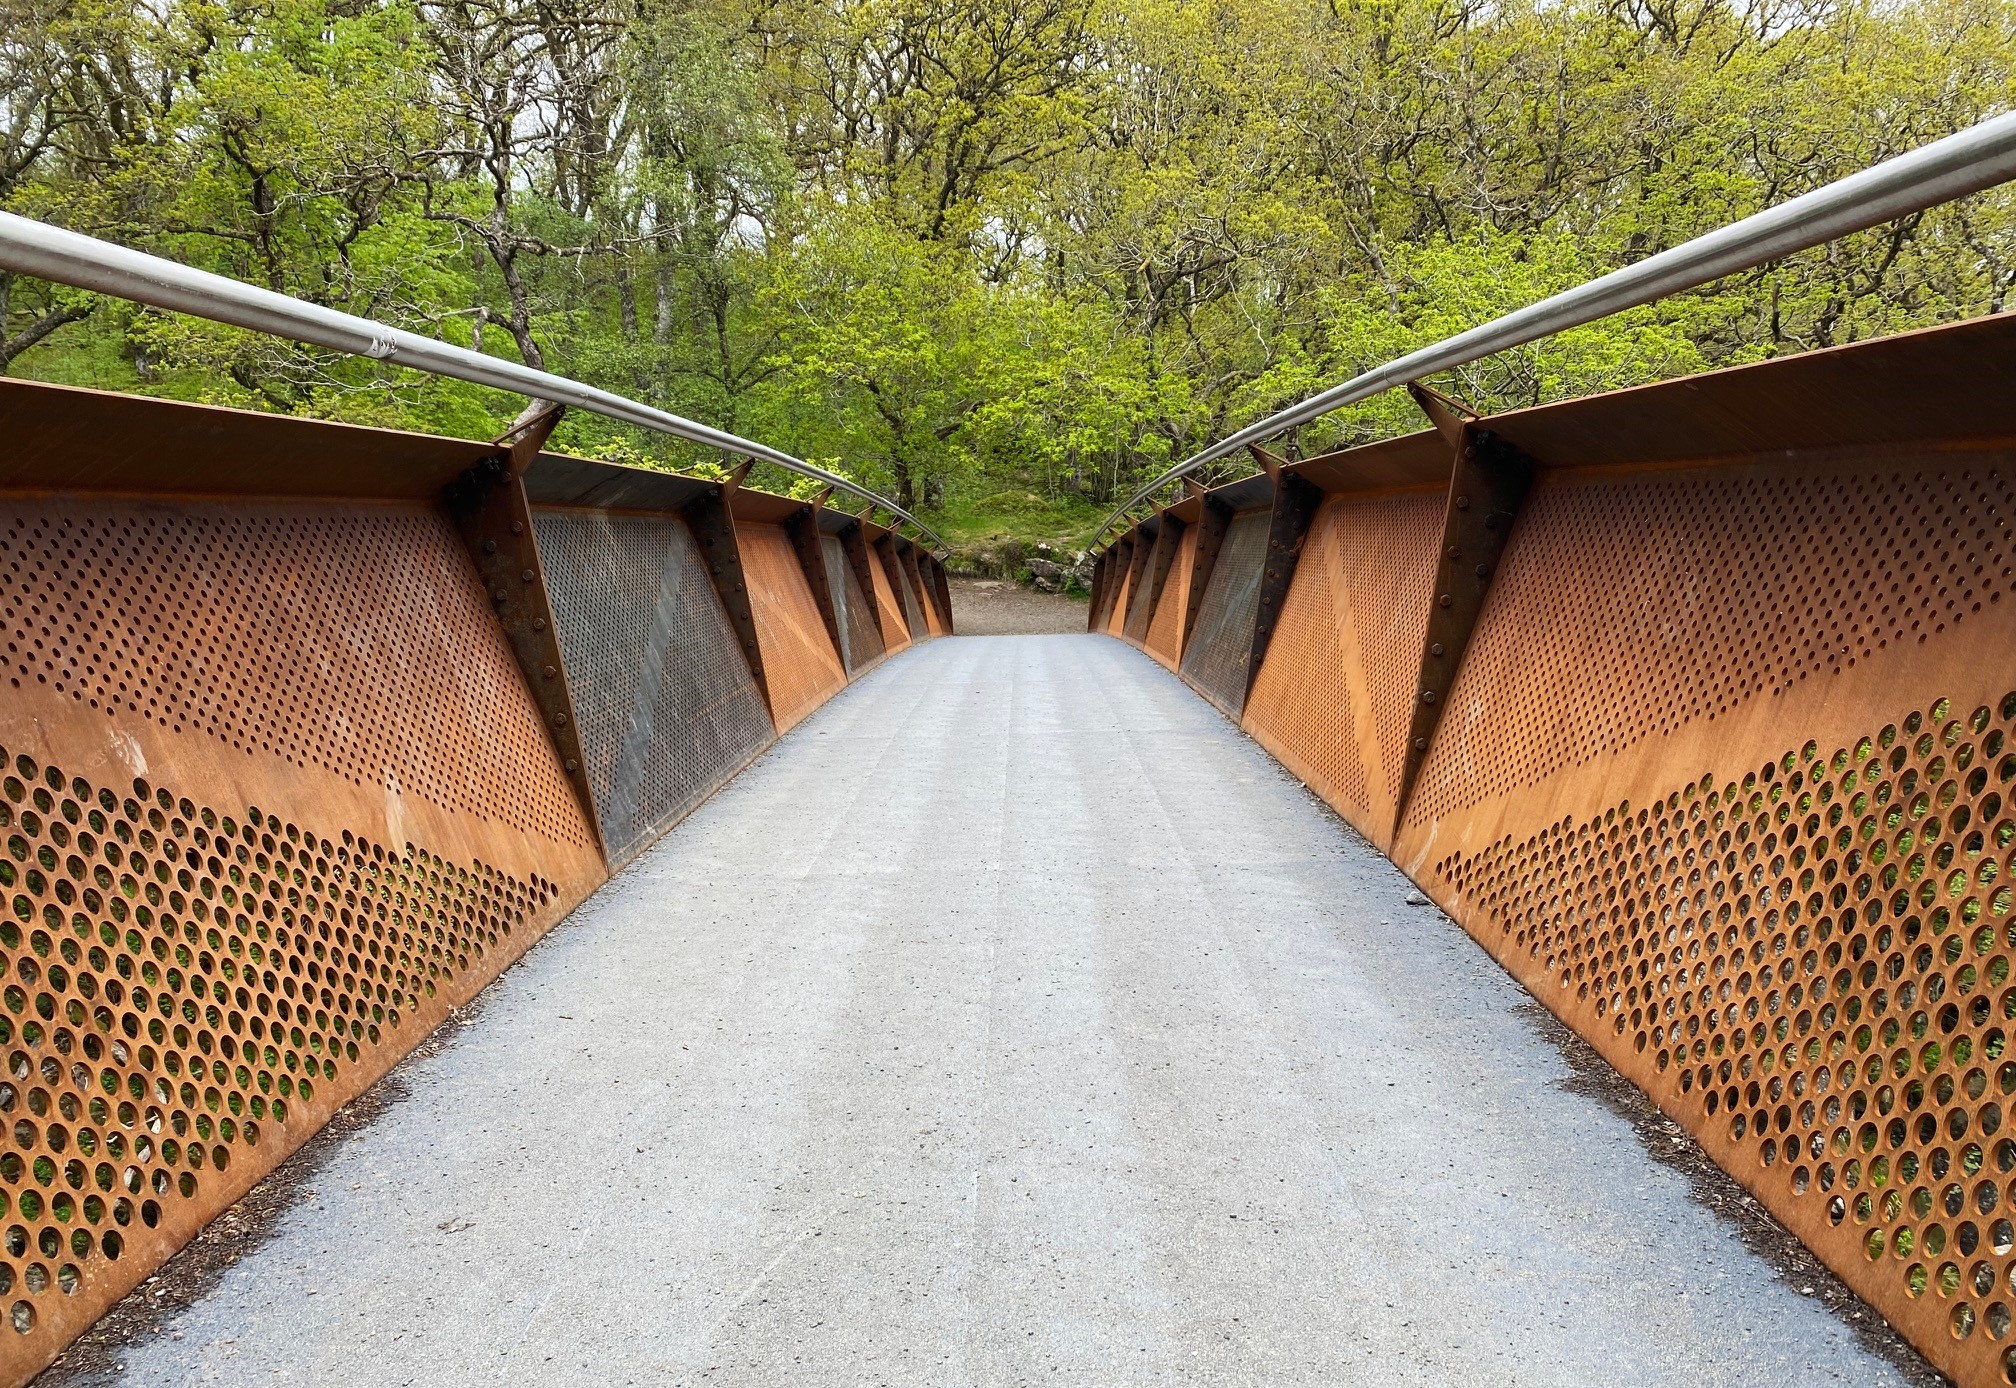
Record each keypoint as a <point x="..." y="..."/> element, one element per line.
<point x="1978" y="157"/>
<point x="35" y="248"/>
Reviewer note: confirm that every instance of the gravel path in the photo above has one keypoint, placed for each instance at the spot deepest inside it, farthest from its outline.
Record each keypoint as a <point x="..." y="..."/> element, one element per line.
<point x="1016" y="1020"/>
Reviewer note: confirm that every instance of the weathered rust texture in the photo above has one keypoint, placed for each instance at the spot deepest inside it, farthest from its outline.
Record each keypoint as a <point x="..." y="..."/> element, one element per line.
<point x="1165" y="632"/>
<point x="1746" y="828"/>
<point x="906" y="588"/>
<point x="281" y="751"/>
<point x="1486" y="489"/>
<point x="712" y="522"/>
<point x="913" y="575"/>
<point x="1724" y="778"/>
<point x="1212" y="519"/>
<point x="881" y="575"/>
<point x="864" y="565"/>
<point x="489" y="507"/>
<point x="1168" y="538"/>
<point x="802" y="527"/>
<point x="1140" y="560"/>
<point x="1123" y="588"/>
<point x="943" y="588"/>
<point x="1295" y="503"/>
<point x="801" y="659"/>
<point x="1217" y="655"/>
<point x="665" y="703"/>
<point x="1096" y="610"/>
<point x="1332" y="700"/>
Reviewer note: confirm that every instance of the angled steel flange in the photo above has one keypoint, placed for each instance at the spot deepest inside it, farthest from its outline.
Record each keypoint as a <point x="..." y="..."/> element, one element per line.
<point x="1487" y="488"/>
<point x="1161" y="558"/>
<point x="489" y="508"/>
<point x="1295" y="505"/>
<point x="1138" y="558"/>
<point x="1212" y="521"/>
<point x="712" y="522"/>
<point x="854" y="542"/>
<point x="802" y="527"/>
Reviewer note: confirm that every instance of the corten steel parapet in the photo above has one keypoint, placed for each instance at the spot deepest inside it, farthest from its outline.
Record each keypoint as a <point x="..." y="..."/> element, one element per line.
<point x="325" y="716"/>
<point x="1722" y="766"/>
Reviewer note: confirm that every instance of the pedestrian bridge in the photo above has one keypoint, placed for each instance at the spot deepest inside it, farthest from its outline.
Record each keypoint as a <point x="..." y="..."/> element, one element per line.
<point x="781" y="987"/>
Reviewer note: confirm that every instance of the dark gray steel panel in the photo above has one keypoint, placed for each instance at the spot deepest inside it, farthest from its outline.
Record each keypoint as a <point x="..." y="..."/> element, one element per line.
<point x="1216" y="658"/>
<point x="860" y="640"/>
<point x="666" y="705"/>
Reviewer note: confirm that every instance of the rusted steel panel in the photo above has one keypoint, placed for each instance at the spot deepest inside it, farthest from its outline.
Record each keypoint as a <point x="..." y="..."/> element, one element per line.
<point x="1165" y="633"/>
<point x="1155" y="577"/>
<point x="802" y="526"/>
<point x="666" y="706"/>
<point x="712" y="522"/>
<point x="943" y="588"/>
<point x="1122" y="589"/>
<point x="1724" y="775"/>
<point x="1213" y="517"/>
<point x="861" y="638"/>
<point x="803" y="666"/>
<point x="895" y="626"/>
<point x="916" y="567"/>
<point x="1486" y="490"/>
<point x="1746" y="827"/>
<point x="276" y="798"/>
<point x="488" y="505"/>
<point x="1333" y="697"/>
<point x="1295" y="503"/>
<point x="1219" y="652"/>
<point x="904" y="581"/>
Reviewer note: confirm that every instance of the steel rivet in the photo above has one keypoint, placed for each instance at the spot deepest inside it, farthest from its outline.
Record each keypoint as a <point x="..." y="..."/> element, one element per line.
<point x="559" y="720"/>
<point x="499" y="595"/>
<point x="1442" y="601"/>
<point x="538" y="624"/>
<point x="1420" y="744"/>
<point x="1462" y="503"/>
<point x="551" y="672"/>
<point x="527" y="575"/>
<point x="489" y="546"/>
<point x="1435" y="649"/>
<point x="1455" y="553"/>
<point x="1483" y="570"/>
<point x="573" y="765"/>
<point x="1427" y="696"/>
<point x="517" y="527"/>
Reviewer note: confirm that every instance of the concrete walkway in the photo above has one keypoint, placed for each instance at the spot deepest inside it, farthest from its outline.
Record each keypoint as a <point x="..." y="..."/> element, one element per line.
<point x="1016" y="1020"/>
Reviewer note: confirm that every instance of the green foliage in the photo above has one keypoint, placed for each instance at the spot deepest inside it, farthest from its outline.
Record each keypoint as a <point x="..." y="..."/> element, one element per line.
<point x="1001" y="259"/>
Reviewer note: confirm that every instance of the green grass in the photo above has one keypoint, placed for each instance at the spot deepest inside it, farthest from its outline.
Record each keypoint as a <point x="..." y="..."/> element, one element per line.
<point x="995" y="520"/>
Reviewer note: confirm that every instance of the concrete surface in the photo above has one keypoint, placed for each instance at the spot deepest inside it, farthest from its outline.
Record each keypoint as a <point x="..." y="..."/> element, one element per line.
<point x="1000" y="607"/>
<point x="1016" y="1020"/>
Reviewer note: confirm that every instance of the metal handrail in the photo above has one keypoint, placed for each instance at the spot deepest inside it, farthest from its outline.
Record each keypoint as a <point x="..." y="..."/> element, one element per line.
<point x="1976" y="158"/>
<point x="35" y="248"/>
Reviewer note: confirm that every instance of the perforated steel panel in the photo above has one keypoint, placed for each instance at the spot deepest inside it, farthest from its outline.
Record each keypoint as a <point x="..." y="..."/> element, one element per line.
<point x="301" y="806"/>
<point x="895" y="630"/>
<point x="798" y="656"/>
<point x="1165" y="633"/>
<point x="345" y="640"/>
<point x="1334" y="697"/>
<point x="862" y="642"/>
<point x="1221" y="650"/>
<point x="1714" y="590"/>
<point x="665" y="702"/>
<point x="1737" y="811"/>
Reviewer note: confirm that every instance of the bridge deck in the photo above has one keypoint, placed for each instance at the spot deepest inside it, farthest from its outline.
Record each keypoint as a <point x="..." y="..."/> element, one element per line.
<point x="948" y="1074"/>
